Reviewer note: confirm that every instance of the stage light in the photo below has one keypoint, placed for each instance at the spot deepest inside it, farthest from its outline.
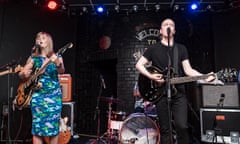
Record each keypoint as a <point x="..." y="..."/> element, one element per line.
<point x="194" y="5"/>
<point x="52" y="5"/>
<point x="84" y="9"/>
<point x="176" y="8"/>
<point x="117" y="7"/>
<point x="157" y="7"/>
<point x="209" y="8"/>
<point x="100" y="9"/>
<point x="135" y="8"/>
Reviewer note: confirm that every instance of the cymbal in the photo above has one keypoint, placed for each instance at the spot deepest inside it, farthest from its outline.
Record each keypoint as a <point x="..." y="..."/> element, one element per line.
<point x="111" y="99"/>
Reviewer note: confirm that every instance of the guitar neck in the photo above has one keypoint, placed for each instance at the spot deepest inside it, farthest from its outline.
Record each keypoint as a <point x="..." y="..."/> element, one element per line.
<point x="178" y="80"/>
<point x="5" y="72"/>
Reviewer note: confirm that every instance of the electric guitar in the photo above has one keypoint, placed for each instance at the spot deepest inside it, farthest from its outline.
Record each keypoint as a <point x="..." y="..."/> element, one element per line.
<point x="153" y="91"/>
<point x="11" y="70"/>
<point x="25" y="88"/>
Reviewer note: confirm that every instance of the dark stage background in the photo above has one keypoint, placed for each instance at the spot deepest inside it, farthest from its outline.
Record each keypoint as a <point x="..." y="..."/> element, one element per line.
<point x="211" y="38"/>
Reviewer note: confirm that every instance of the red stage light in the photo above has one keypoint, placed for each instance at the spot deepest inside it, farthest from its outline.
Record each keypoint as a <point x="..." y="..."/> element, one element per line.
<point x="52" y="5"/>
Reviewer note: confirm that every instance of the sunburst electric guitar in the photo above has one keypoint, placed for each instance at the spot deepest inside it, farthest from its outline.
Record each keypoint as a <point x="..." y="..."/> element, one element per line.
<point x="153" y="91"/>
<point x="25" y="88"/>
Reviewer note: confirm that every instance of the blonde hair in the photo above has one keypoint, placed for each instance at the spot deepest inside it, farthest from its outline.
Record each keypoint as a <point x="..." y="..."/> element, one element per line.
<point x="49" y="48"/>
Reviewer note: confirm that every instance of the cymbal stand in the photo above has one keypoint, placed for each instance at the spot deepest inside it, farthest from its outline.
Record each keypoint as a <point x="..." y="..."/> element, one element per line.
<point x="109" y="121"/>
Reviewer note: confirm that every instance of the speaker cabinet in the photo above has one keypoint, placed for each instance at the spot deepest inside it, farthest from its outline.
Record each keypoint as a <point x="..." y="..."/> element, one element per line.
<point x="220" y="125"/>
<point x="66" y="86"/>
<point x="68" y="111"/>
<point x="211" y="95"/>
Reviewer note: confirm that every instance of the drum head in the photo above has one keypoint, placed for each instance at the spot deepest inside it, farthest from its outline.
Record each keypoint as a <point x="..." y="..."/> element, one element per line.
<point x="139" y="129"/>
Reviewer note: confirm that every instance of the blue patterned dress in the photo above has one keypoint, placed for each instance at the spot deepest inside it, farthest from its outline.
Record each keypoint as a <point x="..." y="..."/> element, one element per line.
<point x="46" y="103"/>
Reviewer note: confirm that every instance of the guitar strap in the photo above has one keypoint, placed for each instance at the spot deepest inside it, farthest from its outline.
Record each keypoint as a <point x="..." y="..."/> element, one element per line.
<point x="175" y="59"/>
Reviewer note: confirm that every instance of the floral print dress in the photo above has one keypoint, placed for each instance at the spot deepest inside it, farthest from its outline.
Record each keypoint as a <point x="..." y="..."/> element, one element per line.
<point x="46" y="102"/>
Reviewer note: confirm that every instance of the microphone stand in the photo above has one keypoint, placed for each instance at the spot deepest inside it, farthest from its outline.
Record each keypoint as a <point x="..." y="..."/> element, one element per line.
<point x="169" y="89"/>
<point x="97" y="114"/>
<point x="10" y="67"/>
<point x="10" y="95"/>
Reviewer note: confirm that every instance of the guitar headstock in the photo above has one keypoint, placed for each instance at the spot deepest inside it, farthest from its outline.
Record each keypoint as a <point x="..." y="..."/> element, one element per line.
<point x="227" y="75"/>
<point x="64" y="48"/>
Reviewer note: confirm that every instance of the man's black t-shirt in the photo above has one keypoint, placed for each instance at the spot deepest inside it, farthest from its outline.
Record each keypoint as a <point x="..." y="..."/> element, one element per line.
<point x="158" y="55"/>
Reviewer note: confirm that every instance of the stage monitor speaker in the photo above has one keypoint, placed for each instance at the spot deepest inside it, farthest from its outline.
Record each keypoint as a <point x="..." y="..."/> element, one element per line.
<point x="66" y="85"/>
<point x="211" y="95"/>
<point x="220" y="125"/>
<point x="68" y="111"/>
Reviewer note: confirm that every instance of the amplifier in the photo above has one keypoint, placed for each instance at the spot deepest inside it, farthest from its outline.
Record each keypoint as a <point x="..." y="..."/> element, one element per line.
<point x="212" y="94"/>
<point x="68" y="111"/>
<point x="209" y="95"/>
<point x="66" y="86"/>
<point x="220" y="125"/>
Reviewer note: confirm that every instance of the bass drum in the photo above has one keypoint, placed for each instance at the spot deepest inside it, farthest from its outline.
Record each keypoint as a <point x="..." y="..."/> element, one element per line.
<point x="139" y="129"/>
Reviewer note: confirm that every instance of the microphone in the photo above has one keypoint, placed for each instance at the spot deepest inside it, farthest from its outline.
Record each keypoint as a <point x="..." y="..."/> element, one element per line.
<point x="103" y="82"/>
<point x="168" y="31"/>
<point x="35" y="47"/>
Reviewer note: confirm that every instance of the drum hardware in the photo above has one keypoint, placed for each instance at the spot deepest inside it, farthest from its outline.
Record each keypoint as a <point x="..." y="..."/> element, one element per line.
<point x="115" y="120"/>
<point x="109" y="119"/>
<point x="138" y="128"/>
<point x="113" y="126"/>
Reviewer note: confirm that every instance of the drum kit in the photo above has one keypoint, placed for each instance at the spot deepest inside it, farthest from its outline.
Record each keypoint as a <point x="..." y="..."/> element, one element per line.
<point x="136" y="128"/>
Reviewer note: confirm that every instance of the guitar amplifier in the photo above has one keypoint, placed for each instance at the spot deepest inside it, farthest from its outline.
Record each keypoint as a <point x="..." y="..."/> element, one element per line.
<point x="66" y="86"/>
<point x="211" y="95"/>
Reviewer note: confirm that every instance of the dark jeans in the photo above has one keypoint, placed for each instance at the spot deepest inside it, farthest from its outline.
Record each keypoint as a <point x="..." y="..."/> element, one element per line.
<point x="179" y="113"/>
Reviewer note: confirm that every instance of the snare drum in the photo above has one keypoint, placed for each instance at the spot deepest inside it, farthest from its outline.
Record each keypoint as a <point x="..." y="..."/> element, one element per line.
<point x="117" y="119"/>
<point x="139" y="129"/>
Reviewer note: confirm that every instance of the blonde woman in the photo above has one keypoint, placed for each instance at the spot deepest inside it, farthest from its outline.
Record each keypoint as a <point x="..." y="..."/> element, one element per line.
<point x="46" y="102"/>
